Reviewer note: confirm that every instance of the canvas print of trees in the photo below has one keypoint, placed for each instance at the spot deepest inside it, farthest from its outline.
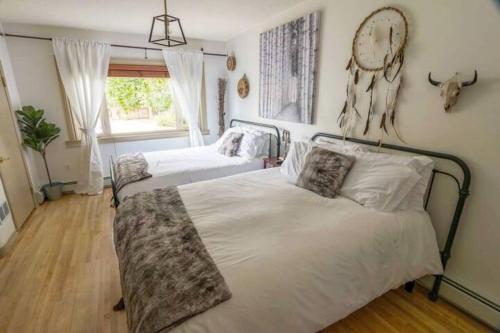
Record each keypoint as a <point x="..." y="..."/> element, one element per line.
<point x="287" y="70"/>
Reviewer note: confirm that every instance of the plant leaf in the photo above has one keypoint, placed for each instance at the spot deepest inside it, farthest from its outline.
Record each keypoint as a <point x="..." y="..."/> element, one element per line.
<point x="36" y="131"/>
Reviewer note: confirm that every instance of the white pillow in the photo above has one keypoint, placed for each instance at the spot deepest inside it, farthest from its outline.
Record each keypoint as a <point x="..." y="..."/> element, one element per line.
<point x="294" y="162"/>
<point x="325" y="142"/>
<point x="423" y="165"/>
<point x="254" y="143"/>
<point x="236" y="129"/>
<point x="262" y="141"/>
<point x="415" y="199"/>
<point x="379" y="183"/>
<point x="378" y="180"/>
<point x="250" y="146"/>
<point x="340" y="147"/>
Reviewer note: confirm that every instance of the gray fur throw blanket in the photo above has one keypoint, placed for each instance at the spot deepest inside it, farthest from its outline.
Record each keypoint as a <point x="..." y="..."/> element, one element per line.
<point x="130" y="168"/>
<point x="166" y="273"/>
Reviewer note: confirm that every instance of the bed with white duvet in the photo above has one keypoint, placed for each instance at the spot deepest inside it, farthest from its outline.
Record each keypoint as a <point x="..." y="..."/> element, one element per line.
<point x="183" y="166"/>
<point x="295" y="261"/>
<point x="188" y="165"/>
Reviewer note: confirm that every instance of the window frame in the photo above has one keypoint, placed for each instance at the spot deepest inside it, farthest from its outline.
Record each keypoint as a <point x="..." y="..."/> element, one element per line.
<point x="127" y="69"/>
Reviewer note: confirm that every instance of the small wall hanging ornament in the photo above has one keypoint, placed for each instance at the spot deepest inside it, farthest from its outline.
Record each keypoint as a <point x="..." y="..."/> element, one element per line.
<point x="243" y="86"/>
<point x="231" y="63"/>
<point x="450" y="89"/>
<point x="377" y="54"/>
<point x="221" y="89"/>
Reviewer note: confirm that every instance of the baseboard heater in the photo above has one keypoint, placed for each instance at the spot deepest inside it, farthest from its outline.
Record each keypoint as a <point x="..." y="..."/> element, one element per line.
<point x="471" y="293"/>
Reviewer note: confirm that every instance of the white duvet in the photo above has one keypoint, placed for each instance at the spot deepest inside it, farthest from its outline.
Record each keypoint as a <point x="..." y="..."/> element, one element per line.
<point x="297" y="262"/>
<point x="189" y="165"/>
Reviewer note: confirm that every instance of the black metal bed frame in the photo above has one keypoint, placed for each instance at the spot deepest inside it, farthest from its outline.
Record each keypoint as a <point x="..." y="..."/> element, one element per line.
<point x="278" y="136"/>
<point x="116" y="201"/>
<point x="463" y="192"/>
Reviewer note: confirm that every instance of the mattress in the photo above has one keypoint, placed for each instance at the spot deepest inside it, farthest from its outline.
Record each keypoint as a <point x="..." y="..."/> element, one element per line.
<point x="188" y="165"/>
<point x="298" y="262"/>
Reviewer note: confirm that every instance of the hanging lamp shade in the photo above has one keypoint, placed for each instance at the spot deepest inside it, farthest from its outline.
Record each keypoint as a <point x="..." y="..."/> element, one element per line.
<point x="166" y="30"/>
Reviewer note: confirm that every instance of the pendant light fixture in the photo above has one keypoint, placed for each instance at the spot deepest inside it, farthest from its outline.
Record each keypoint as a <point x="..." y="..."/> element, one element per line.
<point x="167" y="23"/>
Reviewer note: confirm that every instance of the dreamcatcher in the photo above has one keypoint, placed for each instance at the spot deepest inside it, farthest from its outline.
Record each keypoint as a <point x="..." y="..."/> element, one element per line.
<point x="378" y="51"/>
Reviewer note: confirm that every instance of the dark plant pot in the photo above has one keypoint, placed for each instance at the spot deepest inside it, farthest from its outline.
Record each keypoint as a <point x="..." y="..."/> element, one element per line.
<point x="53" y="192"/>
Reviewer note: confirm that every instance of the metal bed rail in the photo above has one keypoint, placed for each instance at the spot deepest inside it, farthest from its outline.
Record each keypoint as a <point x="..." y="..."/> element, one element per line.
<point x="115" y="199"/>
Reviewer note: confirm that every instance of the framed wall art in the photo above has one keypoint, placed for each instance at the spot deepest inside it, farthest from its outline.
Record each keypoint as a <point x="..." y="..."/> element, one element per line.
<point x="288" y="69"/>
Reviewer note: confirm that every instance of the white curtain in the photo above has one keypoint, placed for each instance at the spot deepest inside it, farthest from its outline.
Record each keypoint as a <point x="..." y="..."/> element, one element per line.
<point x="186" y="72"/>
<point x="83" y="66"/>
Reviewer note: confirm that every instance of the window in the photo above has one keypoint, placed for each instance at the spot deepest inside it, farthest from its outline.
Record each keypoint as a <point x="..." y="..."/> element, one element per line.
<point x="138" y="105"/>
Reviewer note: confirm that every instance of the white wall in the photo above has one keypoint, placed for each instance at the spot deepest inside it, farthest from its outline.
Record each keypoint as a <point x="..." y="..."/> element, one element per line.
<point x="445" y="36"/>
<point x="37" y="81"/>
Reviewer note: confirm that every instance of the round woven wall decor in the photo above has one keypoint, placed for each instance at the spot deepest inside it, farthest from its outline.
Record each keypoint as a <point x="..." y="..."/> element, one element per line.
<point x="231" y="63"/>
<point x="243" y="86"/>
<point x="384" y="28"/>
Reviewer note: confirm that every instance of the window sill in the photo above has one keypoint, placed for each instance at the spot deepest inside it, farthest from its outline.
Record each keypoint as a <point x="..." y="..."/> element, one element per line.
<point x="137" y="137"/>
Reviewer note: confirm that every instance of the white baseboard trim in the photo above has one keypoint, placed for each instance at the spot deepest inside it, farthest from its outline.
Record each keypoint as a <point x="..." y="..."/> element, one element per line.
<point x="466" y="303"/>
<point x="69" y="187"/>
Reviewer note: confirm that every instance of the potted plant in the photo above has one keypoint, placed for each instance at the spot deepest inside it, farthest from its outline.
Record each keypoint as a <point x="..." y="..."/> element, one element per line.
<point x="38" y="134"/>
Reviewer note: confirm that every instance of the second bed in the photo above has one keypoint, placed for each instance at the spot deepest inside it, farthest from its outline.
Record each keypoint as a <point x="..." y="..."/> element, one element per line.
<point x="183" y="166"/>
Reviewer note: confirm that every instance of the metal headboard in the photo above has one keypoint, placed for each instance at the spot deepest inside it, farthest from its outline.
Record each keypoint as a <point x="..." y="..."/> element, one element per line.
<point x="463" y="192"/>
<point x="278" y="138"/>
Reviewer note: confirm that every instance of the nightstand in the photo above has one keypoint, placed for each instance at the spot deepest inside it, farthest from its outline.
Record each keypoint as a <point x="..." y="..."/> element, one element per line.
<point x="272" y="162"/>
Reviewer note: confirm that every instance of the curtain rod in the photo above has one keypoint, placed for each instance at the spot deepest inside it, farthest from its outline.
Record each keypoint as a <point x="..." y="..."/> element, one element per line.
<point x="114" y="45"/>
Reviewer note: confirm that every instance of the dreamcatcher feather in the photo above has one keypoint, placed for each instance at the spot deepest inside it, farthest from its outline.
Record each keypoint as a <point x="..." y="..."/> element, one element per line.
<point x="349" y="114"/>
<point x="371" y="88"/>
<point x="393" y="77"/>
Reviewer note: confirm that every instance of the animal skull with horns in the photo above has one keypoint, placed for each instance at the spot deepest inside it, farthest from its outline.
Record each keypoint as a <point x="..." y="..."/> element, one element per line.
<point x="450" y="89"/>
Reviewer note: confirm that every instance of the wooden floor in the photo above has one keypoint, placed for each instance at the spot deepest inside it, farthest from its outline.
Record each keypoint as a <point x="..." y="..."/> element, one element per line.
<point x="62" y="276"/>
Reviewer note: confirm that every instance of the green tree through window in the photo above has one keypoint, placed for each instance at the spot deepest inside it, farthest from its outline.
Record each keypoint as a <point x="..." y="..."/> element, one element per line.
<point x="135" y="98"/>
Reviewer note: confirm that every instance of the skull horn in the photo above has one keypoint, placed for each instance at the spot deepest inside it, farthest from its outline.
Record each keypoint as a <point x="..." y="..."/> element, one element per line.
<point x="434" y="83"/>
<point x="470" y="83"/>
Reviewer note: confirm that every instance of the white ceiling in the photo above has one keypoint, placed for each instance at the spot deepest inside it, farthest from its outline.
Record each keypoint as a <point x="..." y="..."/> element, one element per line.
<point x="204" y="19"/>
